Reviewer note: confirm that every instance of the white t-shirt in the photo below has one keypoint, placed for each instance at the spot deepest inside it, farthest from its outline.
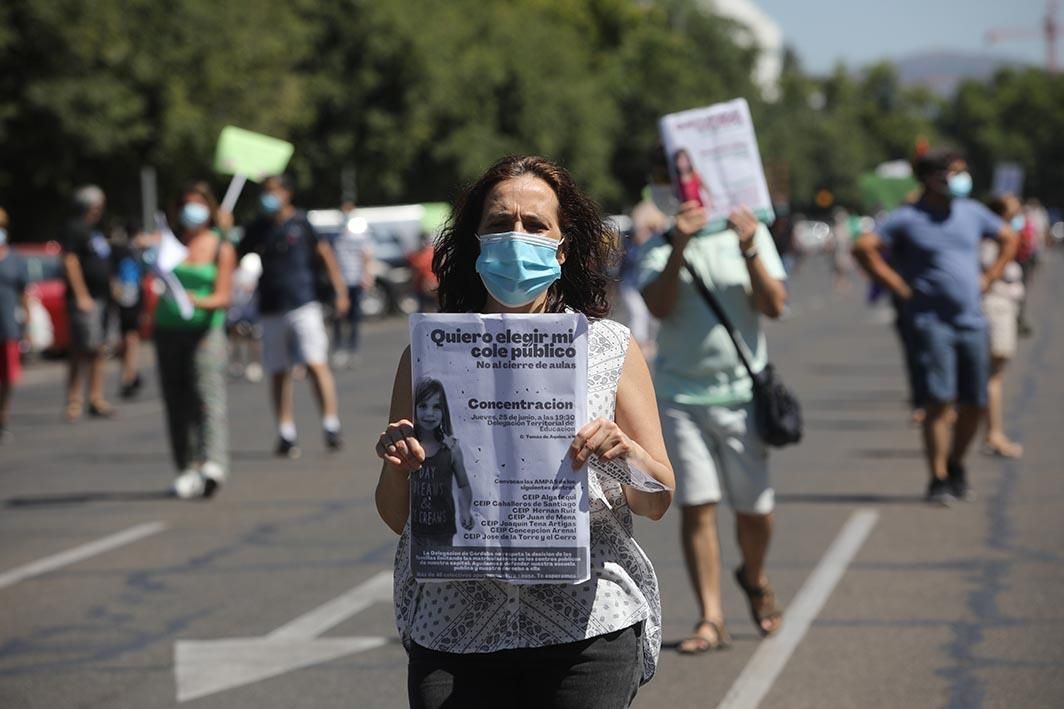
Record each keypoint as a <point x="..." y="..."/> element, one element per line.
<point x="352" y="249"/>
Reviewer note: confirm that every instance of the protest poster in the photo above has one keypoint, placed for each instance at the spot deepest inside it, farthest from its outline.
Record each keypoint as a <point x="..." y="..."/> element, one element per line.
<point x="1008" y="179"/>
<point x="714" y="160"/>
<point x="497" y="400"/>
<point x="247" y="155"/>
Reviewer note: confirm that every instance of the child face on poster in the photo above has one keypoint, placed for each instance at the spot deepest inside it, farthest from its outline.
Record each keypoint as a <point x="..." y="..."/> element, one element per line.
<point x="432" y="419"/>
<point x="429" y="414"/>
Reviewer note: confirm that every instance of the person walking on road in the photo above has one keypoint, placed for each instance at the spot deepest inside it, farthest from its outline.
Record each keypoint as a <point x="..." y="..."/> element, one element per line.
<point x="705" y="395"/>
<point x="354" y="253"/>
<point x="292" y="318"/>
<point x="13" y="298"/>
<point x="87" y="271"/>
<point x="580" y="646"/>
<point x="191" y="350"/>
<point x="1001" y="305"/>
<point x="128" y="296"/>
<point x="936" y="275"/>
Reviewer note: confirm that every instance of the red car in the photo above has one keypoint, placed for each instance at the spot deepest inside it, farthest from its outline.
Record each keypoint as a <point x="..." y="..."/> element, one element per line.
<point x="44" y="262"/>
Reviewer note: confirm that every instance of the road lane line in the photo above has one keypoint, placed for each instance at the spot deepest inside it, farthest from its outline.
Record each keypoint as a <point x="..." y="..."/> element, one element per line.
<point x="328" y="615"/>
<point x="71" y="556"/>
<point x="757" y="678"/>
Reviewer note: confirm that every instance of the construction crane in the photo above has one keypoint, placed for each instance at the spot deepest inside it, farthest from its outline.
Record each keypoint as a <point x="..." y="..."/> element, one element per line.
<point x="1048" y="30"/>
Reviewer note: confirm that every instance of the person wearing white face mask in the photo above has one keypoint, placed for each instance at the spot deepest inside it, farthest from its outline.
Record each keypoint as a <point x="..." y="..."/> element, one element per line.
<point x="524" y="239"/>
<point x="191" y="351"/>
<point x="13" y="297"/>
<point x="936" y="275"/>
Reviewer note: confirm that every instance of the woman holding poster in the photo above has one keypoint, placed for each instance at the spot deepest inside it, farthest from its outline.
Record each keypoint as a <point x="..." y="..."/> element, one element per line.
<point x="524" y="239"/>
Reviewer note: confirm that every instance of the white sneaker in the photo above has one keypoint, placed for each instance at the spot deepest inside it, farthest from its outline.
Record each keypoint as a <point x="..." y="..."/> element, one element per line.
<point x="340" y="359"/>
<point x="253" y="372"/>
<point x="188" y="485"/>
<point x="213" y="477"/>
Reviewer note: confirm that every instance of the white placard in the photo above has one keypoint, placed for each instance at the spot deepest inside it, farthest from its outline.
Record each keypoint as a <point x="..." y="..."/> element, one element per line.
<point x="497" y="402"/>
<point x="721" y="151"/>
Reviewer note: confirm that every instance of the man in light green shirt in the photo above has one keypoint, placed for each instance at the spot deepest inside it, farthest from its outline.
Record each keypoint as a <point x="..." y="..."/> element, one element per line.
<point x="706" y="400"/>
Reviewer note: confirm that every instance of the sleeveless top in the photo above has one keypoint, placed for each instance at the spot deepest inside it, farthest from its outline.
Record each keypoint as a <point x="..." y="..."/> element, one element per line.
<point x="488" y="615"/>
<point x="431" y="502"/>
<point x="197" y="279"/>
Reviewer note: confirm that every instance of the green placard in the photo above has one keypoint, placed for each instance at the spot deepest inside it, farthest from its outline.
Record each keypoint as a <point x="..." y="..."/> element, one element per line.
<point x="254" y="155"/>
<point x="885" y="192"/>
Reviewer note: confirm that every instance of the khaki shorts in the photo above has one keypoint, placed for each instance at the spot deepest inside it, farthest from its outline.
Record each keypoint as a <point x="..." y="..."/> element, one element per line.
<point x="716" y="450"/>
<point x="1001" y="314"/>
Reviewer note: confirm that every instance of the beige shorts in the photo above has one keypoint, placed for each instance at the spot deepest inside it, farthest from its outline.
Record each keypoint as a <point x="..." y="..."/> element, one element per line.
<point x="297" y="336"/>
<point x="1001" y="314"/>
<point x="716" y="450"/>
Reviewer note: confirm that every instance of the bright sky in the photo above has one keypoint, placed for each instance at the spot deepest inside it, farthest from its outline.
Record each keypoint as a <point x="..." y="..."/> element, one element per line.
<point x="861" y="31"/>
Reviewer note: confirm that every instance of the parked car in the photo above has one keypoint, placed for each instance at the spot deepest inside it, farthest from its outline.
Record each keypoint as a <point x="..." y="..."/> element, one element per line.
<point x="395" y="232"/>
<point x="44" y="263"/>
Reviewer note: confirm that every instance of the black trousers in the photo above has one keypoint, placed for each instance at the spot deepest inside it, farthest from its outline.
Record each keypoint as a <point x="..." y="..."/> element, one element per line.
<point x="599" y="673"/>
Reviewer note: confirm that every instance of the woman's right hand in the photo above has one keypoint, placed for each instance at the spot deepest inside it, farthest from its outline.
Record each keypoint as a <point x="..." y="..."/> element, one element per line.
<point x="689" y="221"/>
<point x="399" y="447"/>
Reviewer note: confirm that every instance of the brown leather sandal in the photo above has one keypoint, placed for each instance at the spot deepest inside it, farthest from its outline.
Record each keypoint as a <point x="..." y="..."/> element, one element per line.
<point x="762" y="603"/>
<point x="700" y="644"/>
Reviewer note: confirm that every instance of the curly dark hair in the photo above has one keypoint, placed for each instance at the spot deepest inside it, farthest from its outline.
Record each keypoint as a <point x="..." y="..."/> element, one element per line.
<point x="589" y="247"/>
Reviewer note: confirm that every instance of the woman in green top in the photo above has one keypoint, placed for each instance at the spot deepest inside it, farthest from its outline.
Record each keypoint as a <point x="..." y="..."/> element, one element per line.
<point x="191" y="348"/>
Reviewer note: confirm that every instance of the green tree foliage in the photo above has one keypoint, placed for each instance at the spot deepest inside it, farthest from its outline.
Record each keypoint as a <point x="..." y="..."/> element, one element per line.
<point x="420" y="96"/>
<point x="1016" y="117"/>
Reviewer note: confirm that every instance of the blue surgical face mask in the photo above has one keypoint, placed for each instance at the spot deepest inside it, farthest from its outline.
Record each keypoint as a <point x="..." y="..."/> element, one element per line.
<point x="517" y="268"/>
<point x="271" y="204"/>
<point x="3" y="237"/>
<point x="1017" y="222"/>
<point x="194" y="214"/>
<point x="960" y="184"/>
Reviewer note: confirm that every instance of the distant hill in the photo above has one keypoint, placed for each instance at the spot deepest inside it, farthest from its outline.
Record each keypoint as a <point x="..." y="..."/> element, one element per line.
<point x="942" y="72"/>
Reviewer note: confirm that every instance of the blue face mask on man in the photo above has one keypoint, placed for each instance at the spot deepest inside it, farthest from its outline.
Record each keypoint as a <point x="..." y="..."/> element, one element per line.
<point x="1018" y="222"/>
<point x="517" y="268"/>
<point x="960" y="184"/>
<point x="270" y="203"/>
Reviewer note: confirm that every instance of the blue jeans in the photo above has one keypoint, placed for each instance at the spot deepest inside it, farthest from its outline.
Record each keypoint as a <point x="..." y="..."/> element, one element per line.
<point x="353" y="318"/>
<point x="954" y="362"/>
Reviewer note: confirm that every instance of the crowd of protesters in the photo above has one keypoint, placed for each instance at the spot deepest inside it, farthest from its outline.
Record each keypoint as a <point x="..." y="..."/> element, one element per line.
<point x="957" y="272"/>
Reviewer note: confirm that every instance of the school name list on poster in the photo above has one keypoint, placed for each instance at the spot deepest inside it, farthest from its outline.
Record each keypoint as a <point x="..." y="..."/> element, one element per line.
<point x="497" y="402"/>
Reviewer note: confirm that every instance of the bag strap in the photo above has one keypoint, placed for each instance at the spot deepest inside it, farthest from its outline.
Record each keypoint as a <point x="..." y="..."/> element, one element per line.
<point x="745" y="356"/>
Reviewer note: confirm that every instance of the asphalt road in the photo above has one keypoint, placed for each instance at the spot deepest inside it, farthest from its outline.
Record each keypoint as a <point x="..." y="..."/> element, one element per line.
<point x="271" y="594"/>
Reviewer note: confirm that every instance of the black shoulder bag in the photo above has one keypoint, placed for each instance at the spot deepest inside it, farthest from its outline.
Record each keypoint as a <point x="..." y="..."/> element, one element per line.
<point x="779" y="415"/>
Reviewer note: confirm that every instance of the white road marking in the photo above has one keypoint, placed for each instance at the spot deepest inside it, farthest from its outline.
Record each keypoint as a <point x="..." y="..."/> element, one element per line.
<point x="72" y="556"/>
<point x="203" y="667"/>
<point x="772" y="655"/>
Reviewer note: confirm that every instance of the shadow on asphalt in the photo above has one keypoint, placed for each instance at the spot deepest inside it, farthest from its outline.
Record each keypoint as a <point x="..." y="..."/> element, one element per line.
<point x="849" y="499"/>
<point x="81" y="498"/>
<point x="890" y="453"/>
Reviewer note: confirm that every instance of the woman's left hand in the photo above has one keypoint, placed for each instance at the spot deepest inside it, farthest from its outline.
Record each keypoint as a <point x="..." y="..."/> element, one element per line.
<point x="603" y="438"/>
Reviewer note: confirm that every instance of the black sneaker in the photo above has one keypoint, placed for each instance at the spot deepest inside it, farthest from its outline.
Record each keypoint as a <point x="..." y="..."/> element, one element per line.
<point x="938" y="492"/>
<point x="333" y="440"/>
<point x="287" y="449"/>
<point x="958" y="482"/>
